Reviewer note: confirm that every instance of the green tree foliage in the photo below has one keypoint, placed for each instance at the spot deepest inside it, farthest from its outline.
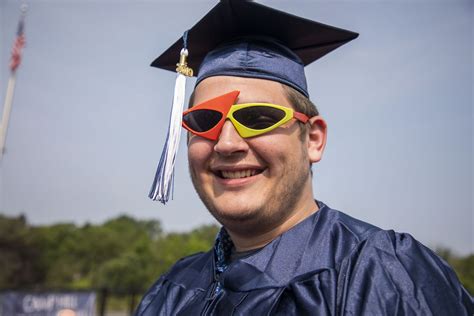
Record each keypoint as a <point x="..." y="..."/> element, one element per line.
<point x="57" y="243"/>
<point x="123" y="255"/>
<point x="463" y="266"/>
<point x="127" y="273"/>
<point x="179" y="245"/>
<point x="20" y="254"/>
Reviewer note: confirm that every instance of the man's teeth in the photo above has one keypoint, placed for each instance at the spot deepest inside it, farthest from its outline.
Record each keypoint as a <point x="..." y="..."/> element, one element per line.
<point x="238" y="174"/>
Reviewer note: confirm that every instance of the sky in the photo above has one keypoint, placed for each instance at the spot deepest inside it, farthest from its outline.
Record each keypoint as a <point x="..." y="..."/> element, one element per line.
<point x="89" y="115"/>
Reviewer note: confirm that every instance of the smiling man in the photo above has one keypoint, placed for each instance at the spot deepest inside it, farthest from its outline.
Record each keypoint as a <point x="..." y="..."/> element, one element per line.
<point x="256" y="187"/>
<point x="253" y="135"/>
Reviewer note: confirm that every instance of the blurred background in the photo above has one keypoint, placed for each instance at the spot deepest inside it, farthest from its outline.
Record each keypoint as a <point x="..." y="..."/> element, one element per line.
<point x="89" y="117"/>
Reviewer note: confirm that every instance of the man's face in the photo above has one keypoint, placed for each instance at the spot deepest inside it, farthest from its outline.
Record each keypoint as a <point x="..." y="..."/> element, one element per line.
<point x="251" y="183"/>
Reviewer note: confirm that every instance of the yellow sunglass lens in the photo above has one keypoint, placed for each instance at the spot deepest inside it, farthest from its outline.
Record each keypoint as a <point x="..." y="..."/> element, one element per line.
<point x="258" y="117"/>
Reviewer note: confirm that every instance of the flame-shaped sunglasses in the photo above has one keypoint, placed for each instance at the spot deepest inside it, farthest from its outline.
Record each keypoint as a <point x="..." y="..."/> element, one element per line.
<point x="249" y="119"/>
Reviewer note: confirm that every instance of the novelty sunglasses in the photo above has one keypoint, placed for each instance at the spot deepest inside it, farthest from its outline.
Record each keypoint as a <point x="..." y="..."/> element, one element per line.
<point x="249" y="119"/>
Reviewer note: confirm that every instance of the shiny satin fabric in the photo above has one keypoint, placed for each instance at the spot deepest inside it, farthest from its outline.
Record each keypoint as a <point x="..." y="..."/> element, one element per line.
<point x="329" y="264"/>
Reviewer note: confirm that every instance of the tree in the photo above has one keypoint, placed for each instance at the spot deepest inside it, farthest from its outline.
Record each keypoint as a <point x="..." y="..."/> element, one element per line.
<point x="463" y="266"/>
<point x="20" y="254"/>
<point x="175" y="246"/>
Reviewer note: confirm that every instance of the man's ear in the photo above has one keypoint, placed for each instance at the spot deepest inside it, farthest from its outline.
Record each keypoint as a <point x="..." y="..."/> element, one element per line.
<point x="317" y="133"/>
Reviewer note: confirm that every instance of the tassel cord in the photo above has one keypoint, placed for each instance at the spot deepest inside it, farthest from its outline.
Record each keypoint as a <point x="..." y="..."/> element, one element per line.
<point x="164" y="178"/>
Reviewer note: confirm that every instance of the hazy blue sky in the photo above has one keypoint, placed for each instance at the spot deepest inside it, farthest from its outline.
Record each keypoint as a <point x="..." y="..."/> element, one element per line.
<point x="89" y="115"/>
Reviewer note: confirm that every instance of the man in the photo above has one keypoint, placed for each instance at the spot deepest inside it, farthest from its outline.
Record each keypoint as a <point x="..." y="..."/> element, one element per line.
<point x="253" y="135"/>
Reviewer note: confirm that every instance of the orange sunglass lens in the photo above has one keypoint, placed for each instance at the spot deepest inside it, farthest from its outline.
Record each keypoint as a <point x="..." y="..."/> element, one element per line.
<point x="207" y="115"/>
<point x="202" y="120"/>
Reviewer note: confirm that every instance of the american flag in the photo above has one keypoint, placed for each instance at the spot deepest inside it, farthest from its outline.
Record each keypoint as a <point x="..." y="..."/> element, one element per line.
<point x="17" y="46"/>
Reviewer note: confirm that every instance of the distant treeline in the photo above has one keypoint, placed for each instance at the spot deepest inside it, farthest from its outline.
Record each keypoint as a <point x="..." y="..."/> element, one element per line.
<point x="123" y="255"/>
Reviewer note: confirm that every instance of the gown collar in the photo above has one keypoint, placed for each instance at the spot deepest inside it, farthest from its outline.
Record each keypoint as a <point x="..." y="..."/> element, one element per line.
<point x="279" y="261"/>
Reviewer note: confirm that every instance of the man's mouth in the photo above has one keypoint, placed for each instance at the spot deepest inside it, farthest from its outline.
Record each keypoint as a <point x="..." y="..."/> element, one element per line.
<point x="238" y="174"/>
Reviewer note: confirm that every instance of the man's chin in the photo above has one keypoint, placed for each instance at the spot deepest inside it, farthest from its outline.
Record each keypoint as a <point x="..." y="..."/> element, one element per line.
<point x="233" y="210"/>
<point x="233" y="214"/>
<point x="237" y="218"/>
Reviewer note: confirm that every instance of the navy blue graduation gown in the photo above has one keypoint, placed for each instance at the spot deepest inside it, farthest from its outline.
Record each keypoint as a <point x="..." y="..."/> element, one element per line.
<point x="329" y="264"/>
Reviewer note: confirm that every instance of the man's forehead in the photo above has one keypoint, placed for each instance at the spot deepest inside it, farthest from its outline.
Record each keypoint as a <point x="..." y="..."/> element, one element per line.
<point x="252" y="90"/>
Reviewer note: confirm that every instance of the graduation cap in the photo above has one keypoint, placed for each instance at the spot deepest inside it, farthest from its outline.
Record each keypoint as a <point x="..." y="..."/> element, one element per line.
<point x="245" y="39"/>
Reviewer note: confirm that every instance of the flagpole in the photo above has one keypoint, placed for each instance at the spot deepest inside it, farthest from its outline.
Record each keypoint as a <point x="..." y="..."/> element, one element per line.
<point x="15" y="62"/>
<point x="7" y="106"/>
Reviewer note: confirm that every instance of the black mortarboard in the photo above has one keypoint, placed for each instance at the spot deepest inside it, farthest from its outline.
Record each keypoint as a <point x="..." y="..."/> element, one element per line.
<point x="245" y="39"/>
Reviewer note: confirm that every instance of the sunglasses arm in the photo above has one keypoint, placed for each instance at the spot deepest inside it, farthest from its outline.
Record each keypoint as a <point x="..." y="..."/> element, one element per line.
<point x="300" y="117"/>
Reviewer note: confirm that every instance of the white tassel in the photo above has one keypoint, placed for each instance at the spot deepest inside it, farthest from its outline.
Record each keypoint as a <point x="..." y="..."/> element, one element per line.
<point x="164" y="177"/>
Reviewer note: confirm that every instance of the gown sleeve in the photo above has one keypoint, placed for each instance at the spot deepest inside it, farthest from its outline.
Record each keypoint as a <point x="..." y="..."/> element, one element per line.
<point x="393" y="274"/>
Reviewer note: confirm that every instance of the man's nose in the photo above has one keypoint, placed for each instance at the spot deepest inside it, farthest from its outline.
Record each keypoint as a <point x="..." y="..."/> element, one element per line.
<point x="229" y="141"/>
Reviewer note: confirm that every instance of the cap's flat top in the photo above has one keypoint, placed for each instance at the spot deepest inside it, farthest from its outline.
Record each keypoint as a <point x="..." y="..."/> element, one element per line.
<point x="231" y="19"/>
